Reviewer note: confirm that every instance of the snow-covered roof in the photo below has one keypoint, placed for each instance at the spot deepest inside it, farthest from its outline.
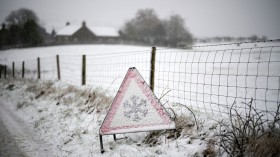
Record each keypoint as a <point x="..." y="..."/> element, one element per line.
<point x="68" y="30"/>
<point x="97" y="30"/>
<point x="104" y="31"/>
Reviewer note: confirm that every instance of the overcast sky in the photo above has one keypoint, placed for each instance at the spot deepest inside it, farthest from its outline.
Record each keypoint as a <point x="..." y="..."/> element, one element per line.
<point x="204" y="18"/>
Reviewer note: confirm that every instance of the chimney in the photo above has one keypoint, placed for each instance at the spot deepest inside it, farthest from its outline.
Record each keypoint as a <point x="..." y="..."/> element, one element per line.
<point x="84" y="24"/>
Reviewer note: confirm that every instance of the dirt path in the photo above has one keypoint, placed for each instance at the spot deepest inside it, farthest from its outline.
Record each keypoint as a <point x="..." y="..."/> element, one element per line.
<point x="16" y="138"/>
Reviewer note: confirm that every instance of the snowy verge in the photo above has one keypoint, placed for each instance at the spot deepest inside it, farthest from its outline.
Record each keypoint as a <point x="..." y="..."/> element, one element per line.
<point x="56" y="119"/>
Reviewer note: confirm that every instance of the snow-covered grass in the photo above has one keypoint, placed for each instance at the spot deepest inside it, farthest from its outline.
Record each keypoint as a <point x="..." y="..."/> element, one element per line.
<point x="249" y="135"/>
<point x="67" y="119"/>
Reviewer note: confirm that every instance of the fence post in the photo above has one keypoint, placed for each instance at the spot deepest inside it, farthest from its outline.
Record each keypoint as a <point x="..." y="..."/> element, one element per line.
<point x="5" y="71"/>
<point x="58" y="67"/>
<point x="13" y="67"/>
<point x="22" y="69"/>
<point x="152" y="70"/>
<point x="84" y="70"/>
<point x="39" y="68"/>
<point x="0" y="71"/>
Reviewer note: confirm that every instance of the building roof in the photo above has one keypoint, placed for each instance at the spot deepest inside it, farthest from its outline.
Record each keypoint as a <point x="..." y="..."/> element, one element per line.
<point x="104" y="31"/>
<point x="97" y="30"/>
<point x="68" y="30"/>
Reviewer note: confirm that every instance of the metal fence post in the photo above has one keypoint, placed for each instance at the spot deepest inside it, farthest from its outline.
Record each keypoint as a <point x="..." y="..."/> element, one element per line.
<point x="38" y="68"/>
<point x="22" y="72"/>
<point x="58" y="67"/>
<point x="84" y="70"/>
<point x="152" y="70"/>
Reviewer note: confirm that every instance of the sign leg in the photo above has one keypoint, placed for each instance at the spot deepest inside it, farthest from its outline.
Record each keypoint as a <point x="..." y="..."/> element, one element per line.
<point x="101" y="144"/>
<point x="115" y="138"/>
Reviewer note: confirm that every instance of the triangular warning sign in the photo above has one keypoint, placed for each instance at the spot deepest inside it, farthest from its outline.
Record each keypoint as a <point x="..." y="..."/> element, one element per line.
<point x="135" y="108"/>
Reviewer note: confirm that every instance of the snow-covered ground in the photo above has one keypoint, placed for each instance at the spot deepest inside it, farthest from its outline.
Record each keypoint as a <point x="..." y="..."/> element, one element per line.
<point x="8" y="146"/>
<point x="56" y="119"/>
<point x="209" y="78"/>
<point x="63" y="120"/>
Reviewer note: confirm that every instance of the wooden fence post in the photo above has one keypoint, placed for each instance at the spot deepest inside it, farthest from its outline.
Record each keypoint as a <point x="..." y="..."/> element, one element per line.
<point x="5" y="71"/>
<point x="0" y="71"/>
<point x="152" y="70"/>
<point x="84" y="70"/>
<point x="38" y="68"/>
<point x="22" y="72"/>
<point x="13" y="68"/>
<point x="58" y="67"/>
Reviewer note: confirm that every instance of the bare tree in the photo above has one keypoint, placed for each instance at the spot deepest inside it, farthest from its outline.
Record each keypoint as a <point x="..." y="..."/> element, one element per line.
<point x="176" y="33"/>
<point x="147" y="28"/>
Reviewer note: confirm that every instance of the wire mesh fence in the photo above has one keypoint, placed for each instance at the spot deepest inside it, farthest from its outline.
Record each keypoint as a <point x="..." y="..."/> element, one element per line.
<point x="48" y="68"/>
<point x="71" y="69"/>
<point x="108" y="72"/>
<point x="214" y="80"/>
<point x="31" y="69"/>
<point x="207" y="78"/>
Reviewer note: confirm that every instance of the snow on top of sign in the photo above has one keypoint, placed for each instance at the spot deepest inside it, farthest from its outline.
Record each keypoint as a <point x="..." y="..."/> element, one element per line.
<point x="68" y="30"/>
<point x="104" y="31"/>
<point x="135" y="108"/>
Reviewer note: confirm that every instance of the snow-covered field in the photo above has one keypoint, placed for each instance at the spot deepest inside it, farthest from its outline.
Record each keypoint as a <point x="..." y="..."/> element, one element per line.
<point x="65" y="119"/>
<point x="208" y="78"/>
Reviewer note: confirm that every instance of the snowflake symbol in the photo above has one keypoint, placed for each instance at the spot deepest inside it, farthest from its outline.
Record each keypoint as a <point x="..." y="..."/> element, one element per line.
<point x="135" y="108"/>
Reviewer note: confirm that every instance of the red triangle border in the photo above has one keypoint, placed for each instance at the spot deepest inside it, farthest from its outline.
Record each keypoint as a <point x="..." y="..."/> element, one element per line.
<point x="133" y="74"/>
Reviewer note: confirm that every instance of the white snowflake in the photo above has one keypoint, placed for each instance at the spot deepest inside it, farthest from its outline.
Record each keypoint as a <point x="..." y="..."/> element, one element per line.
<point x="135" y="108"/>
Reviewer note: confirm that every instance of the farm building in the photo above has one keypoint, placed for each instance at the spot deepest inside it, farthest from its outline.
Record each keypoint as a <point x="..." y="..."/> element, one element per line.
<point x="86" y="34"/>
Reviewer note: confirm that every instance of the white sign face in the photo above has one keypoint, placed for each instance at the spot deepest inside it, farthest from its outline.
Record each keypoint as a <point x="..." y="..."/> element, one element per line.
<point x="135" y="108"/>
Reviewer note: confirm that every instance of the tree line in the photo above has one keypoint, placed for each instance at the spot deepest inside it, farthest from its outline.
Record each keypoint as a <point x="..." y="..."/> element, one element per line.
<point x="147" y="28"/>
<point x="21" y="29"/>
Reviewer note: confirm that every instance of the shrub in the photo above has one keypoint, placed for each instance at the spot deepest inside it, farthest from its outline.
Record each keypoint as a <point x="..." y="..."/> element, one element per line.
<point x="250" y="134"/>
